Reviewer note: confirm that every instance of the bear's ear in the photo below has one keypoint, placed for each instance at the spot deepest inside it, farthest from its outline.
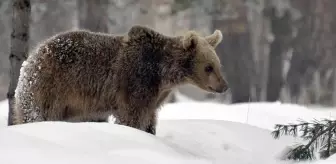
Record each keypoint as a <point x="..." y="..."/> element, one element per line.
<point x="215" y="38"/>
<point x="189" y="40"/>
<point x="138" y="31"/>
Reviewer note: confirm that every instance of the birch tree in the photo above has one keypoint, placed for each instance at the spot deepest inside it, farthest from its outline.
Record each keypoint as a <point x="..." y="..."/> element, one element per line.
<point x="19" y="46"/>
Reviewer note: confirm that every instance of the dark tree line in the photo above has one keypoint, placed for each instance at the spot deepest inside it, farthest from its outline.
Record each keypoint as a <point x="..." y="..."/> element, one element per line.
<point x="254" y="65"/>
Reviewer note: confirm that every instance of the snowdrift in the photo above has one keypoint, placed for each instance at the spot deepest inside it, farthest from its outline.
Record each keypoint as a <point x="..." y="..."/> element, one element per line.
<point x="183" y="141"/>
<point x="188" y="133"/>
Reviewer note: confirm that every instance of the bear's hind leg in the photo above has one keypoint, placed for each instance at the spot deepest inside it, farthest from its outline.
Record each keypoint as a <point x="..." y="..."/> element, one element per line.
<point x="26" y="110"/>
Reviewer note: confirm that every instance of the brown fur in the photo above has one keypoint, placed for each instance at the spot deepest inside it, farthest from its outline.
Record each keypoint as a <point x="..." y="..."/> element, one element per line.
<point x="84" y="76"/>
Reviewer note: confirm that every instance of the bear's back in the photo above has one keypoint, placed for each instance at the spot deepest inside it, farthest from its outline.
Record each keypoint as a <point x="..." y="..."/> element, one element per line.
<point x="76" y="52"/>
<point x="72" y="63"/>
<point x="80" y="47"/>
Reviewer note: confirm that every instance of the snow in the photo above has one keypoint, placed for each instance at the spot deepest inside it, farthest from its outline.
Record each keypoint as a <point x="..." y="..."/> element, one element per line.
<point x="3" y="113"/>
<point x="188" y="132"/>
<point x="262" y="115"/>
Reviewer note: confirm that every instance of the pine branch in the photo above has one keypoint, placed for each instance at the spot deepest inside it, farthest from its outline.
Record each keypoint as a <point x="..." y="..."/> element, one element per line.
<point x="329" y="148"/>
<point x="318" y="132"/>
<point x="299" y="152"/>
<point x="321" y="133"/>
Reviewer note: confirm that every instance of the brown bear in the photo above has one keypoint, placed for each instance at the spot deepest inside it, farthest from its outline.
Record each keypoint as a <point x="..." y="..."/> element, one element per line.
<point x="82" y="76"/>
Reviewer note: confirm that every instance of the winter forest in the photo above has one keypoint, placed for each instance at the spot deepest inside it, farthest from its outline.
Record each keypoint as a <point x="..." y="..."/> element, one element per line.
<point x="273" y="50"/>
<point x="275" y="54"/>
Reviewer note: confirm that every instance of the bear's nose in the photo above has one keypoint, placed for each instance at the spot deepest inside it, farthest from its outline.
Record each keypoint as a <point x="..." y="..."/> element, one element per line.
<point x="222" y="87"/>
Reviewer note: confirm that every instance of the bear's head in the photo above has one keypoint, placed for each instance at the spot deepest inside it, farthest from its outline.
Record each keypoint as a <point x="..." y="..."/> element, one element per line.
<point x="190" y="58"/>
<point x="206" y="73"/>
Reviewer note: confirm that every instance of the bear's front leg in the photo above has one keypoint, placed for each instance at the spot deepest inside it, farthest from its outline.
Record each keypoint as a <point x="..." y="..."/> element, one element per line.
<point x="98" y="120"/>
<point x="129" y="118"/>
<point x="140" y="119"/>
<point x="151" y="127"/>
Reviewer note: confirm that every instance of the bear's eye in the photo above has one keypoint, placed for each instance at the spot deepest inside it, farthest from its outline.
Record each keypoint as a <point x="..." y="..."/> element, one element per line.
<point x="208" y="69"/>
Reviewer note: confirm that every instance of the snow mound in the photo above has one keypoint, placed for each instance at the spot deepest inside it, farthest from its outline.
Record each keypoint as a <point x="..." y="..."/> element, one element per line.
<point x="187" y="133"/>
<point x="179" y="141"/>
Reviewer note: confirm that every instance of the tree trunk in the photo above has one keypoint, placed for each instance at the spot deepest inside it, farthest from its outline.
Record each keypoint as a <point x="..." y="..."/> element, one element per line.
<point x="274" y="82"/>
<point x="93" y="15"/>
<point x="5" y="30"/>
<point x="282" y="31"/>
<point x="19" y="47"/>
<point x="235" y="51"/>
<point x="334" y="87"/>
<point x="258" y="28"/>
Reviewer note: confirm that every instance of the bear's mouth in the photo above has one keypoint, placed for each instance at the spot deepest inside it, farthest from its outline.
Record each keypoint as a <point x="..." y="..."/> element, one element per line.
<point x="211" y="89"/>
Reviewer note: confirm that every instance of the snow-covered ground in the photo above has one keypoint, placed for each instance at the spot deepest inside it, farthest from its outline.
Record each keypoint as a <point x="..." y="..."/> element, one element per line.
<point x="188" y="133"/>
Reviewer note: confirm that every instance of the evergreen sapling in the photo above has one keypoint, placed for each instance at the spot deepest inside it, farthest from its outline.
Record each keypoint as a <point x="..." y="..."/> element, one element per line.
<point x="320" y="137"/>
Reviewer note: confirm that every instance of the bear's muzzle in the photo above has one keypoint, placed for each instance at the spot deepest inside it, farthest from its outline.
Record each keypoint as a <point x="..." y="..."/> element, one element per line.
<point x="217" y="84"/>
<point x="222" y="86"/>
